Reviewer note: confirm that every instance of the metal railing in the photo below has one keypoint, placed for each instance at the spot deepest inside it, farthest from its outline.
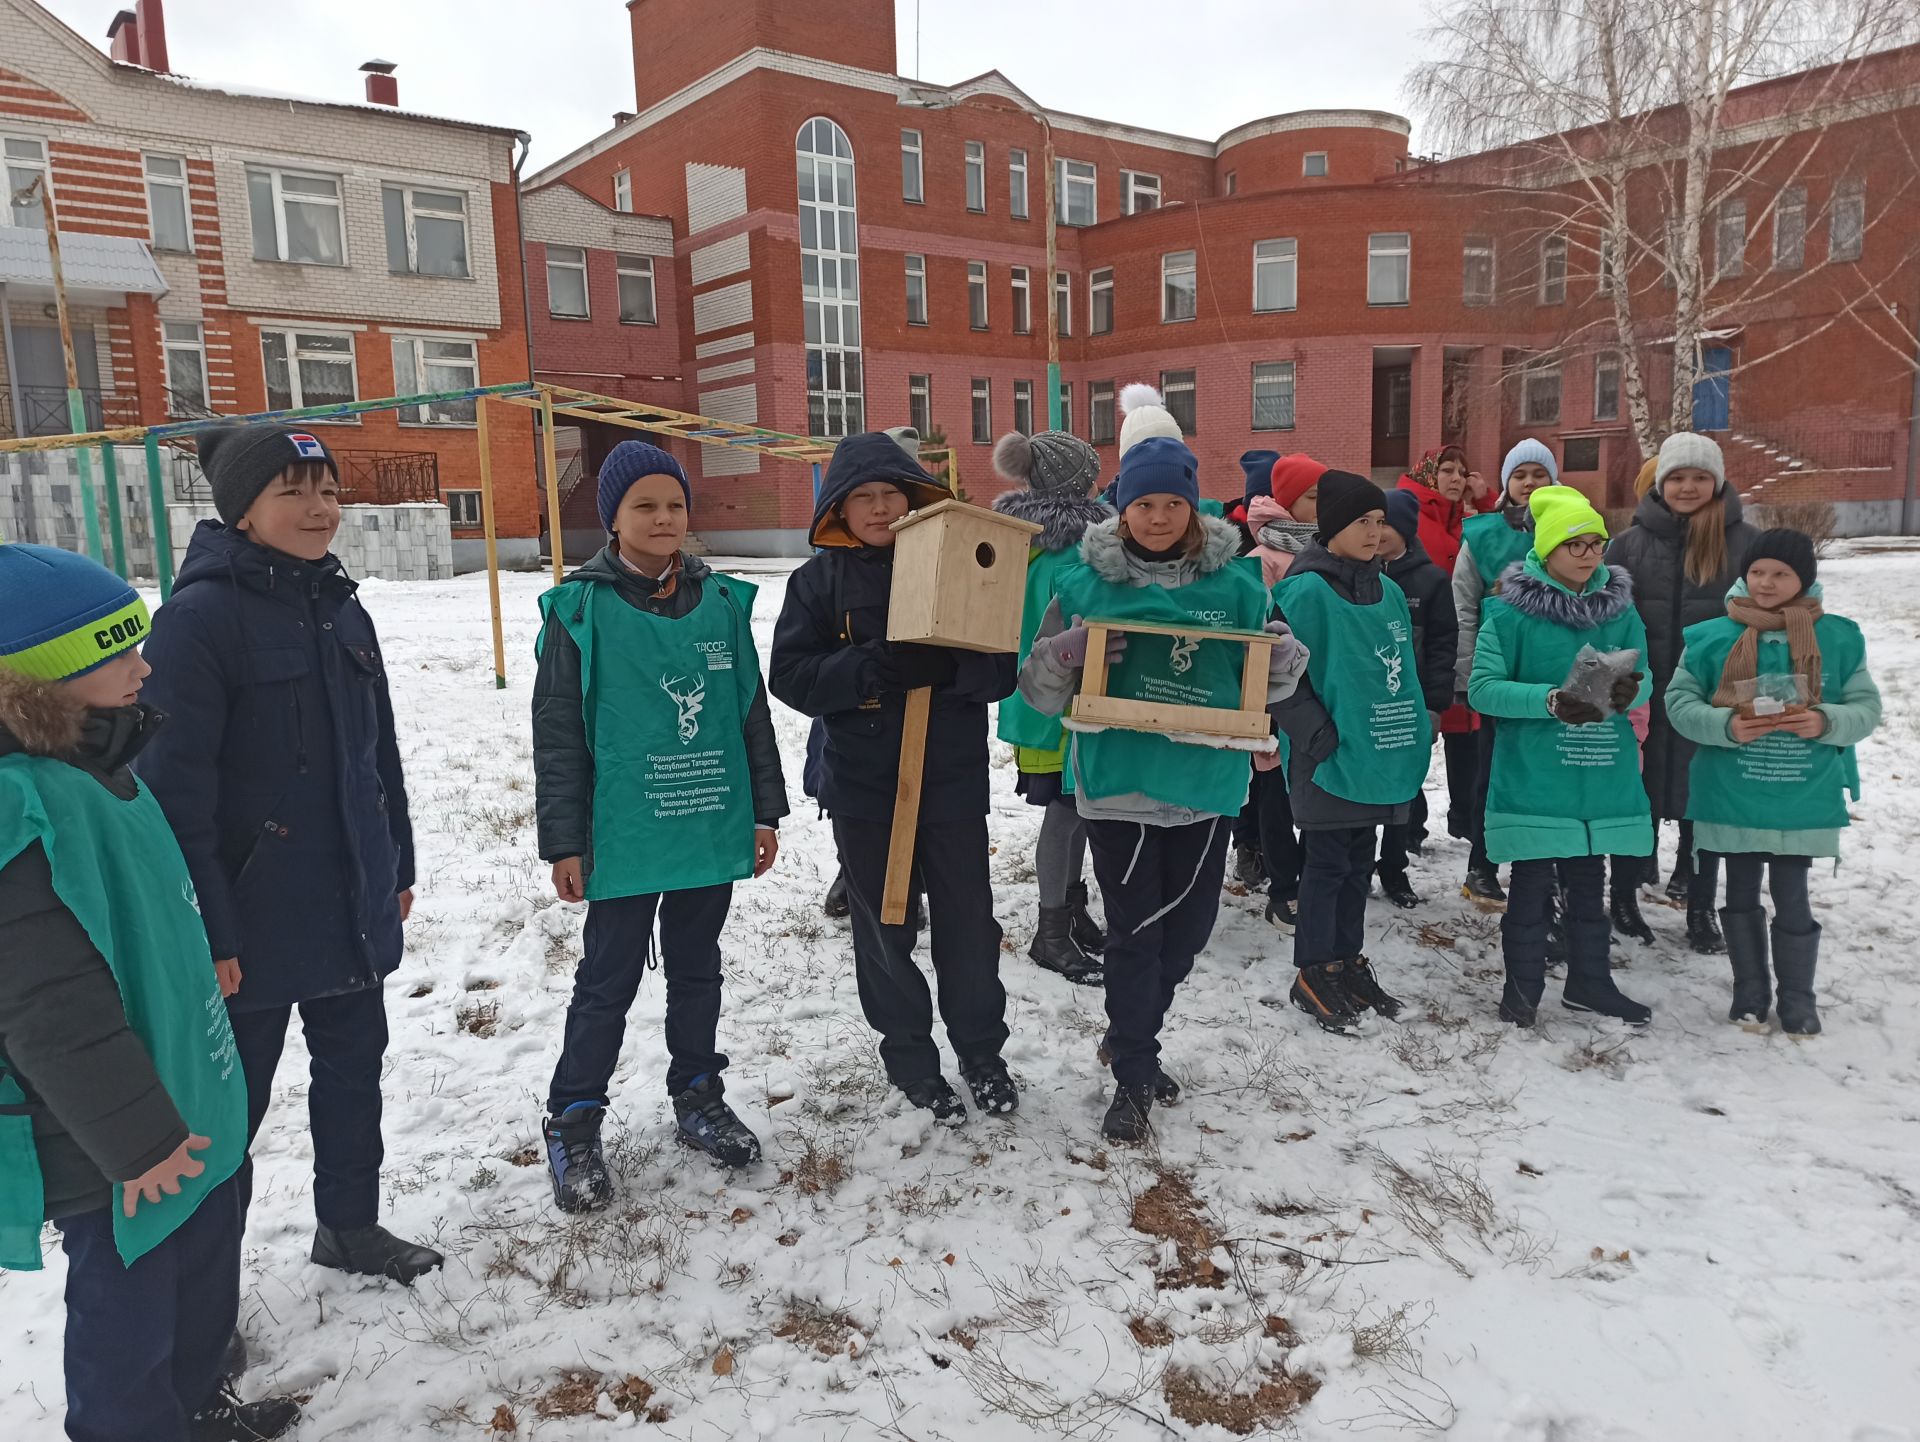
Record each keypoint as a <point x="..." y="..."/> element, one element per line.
<point x="367" y="478"/>
<point x="43" y="411"/>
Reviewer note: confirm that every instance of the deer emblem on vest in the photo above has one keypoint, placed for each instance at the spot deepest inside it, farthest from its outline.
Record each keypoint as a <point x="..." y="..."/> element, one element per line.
<point x="688" y="700"/>
<point x="1390" y="657"/>
<point x="1180" y="659"/>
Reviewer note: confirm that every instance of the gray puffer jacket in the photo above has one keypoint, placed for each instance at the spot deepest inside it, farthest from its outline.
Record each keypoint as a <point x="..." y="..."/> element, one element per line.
<point x="1048" y="683"/>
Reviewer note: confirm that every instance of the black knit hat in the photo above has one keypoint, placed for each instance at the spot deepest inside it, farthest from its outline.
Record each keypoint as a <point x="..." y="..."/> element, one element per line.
<point x="1344" y="499"/>
<point x="1789" y="548"/>
<point x="241" y="460"/>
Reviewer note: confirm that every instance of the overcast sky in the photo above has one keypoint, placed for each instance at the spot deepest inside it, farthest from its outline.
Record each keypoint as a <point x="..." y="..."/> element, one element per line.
<point x="560" y="69"/>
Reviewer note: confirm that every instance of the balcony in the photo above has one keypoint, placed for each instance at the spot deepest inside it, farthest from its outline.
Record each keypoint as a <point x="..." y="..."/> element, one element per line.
<point x="43" y="411"/>
<point x="367" y="478"/>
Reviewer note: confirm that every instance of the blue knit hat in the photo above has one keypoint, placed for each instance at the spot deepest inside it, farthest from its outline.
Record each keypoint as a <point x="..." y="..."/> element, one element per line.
<point x="1403" y="514"/>
<point x="63" y="615"/>
<point x="627" y="463"/>
<point x="1259" y="468"/>
<point x="1529" y="452"/>
<point x="1157" y="466"/>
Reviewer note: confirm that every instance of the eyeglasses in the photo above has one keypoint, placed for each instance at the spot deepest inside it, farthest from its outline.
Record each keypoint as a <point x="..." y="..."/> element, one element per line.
<point x="1584" y="545"/>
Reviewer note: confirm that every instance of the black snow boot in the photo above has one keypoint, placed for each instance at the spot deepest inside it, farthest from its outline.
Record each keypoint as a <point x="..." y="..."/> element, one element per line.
<point x="1681" y="882"/>
<point x="992" y="1086"/>
<point x="1397" y="889"/>
<point x="1055" y="949"/>
<point x="1703" y="928"/>
<point x="1623" y="906"/>
<point x="1320" y="991"/>
<point x="704" y="1121"/>
<point x="1590" y="977"/>
<point x="835" y="903"/>
<point x="1129" y="1116"/>
<point x="1796" y="956"/>
<point x="1746" y="933"/>
<point x="227" y="1419"/>
<point x="373" y="1252"/>
<point x="1364" y="990"/>
<point x="1283" y="916"/>
<point x="1482" y="887"/>
<point x="1086" y="931"/>
<point x="236" y="1359"/>
<point x="575" y="1162"/>
<point x="1525" y="951"/>
<point x="1166" y="1090"/>
<point x="1249" y="867"/>
<point x="934" y="1095"/>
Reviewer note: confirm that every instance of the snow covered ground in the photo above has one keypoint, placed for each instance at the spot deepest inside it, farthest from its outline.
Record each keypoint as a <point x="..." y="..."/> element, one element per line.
<point x="1577" y="1235"/>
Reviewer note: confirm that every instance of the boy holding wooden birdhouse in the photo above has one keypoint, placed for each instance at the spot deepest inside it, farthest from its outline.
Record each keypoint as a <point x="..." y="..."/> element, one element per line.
<point x="831" y="659"/>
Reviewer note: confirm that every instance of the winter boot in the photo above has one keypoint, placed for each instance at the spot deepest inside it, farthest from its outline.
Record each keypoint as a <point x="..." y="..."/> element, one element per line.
<point x="236" y="1359"/>
<point x="1249" y="867"/>
<point x="1746" y="933"/>
<point x="1482" y="887"/>
<point x="934" y="1095"/>
<point x="835" y="903"/>
<point x="992" y="1086"/>
<point x="581" y="1182"/>
<point x="1796" y="955"/>
<point x="1703" y="928"/>
<point x="1556" y="929"/>
<point x="373" y="1252"/>
<point x="1283" y="916"/>
<point x="1364" y="990"/>
<point x="704" y="1121"/>
<point x="1129" y="1116"/>
<point x="1681" y="882"/>
<point x="227" y="1419"/>
<point x="1397" y="889"/>
<point x="1055" y="949"/>
<point x="1525" y="950"/>
<point x="1085" y="930"/>
<point x="1166" y="1090"/>
<point x="1590" y="977"/>
<point x="1623" y="910"/>
<point x="1320" y="991"/>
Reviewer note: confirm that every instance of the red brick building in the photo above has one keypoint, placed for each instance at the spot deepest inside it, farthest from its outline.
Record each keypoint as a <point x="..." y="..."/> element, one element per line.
<point x="851" y="249"/>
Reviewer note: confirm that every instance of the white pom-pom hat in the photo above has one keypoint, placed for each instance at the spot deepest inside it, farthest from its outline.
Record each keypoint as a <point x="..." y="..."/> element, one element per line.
<point x="1146" y="414"/>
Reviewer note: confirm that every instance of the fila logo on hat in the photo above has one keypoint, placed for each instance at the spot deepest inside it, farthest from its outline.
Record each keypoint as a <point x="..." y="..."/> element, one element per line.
<point x="308" y="446"/>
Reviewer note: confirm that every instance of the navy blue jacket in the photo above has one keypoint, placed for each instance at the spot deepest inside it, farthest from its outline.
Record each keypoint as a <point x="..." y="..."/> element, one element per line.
<point x="279" y="772"/>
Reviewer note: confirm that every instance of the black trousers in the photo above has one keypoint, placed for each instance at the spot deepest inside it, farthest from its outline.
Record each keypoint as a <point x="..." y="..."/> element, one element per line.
<point x="1397" y="842"/>
<point x="145" y="1342"/>
<point x="1334" y="879"/>
<point x="1787" y="875"/>
<point x="951" y="858"/>
<point x="1583" y="891"/>
<point x="1161" y="885"/>
<point x="346" y="1043"/>
<point x="1482" y="774"/>
<point x="1462" y="752"/>
<point x="619" y="946"/>
<point x="1278" y="840"/>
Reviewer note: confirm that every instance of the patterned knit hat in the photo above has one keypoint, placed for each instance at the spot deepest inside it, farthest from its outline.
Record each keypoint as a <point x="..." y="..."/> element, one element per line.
<point x="1050" y="462"/>
<point x="63" y="615"/>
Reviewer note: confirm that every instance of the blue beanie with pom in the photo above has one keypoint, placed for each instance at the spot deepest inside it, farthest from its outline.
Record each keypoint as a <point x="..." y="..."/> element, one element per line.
<point x="627" y="463"/>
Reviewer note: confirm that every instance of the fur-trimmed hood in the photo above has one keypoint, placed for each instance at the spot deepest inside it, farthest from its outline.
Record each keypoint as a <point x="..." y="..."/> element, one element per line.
<point x="1107" y="555"/>
<point x="38" y="718"/>
<point x="1526" y="586"/>
<point x="1063" y="518"/>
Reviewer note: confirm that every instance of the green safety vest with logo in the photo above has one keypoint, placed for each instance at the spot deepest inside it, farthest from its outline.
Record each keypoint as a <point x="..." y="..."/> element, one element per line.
<point x="1364" y="670"/>
<point x="1039" y="738"/>
<point x="1175" y="669"/>
<point x="118" y="869"/>
<point x="1781" y="782"/>
<point x="665" y="702"/>
<point x="1495" y="545"/>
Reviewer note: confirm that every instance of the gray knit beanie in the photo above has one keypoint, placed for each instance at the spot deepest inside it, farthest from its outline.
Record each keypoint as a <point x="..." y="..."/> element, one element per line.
<point x="1685" y="450"/>
<point x="1052" y="461"/>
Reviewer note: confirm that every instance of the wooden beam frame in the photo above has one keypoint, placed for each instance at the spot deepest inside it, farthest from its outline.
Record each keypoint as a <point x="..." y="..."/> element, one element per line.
<point x="1092" y="707"/>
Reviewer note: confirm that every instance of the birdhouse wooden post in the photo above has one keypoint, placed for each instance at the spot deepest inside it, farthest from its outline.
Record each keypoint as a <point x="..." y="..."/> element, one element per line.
<point x="959" y="580"/>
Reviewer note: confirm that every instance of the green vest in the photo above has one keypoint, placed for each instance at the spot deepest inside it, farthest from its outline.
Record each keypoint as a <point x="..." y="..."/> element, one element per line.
<point x="1019" y="723"/>
<point x="1495" y="545"/>
<point x="1558" y="790"/>
<point x="666" y="705"/>
<point x="1210" y="779"/>
<point x="1785" y="783"/>
<point x="1363" y="668"/>
<point x="117" y="868"/>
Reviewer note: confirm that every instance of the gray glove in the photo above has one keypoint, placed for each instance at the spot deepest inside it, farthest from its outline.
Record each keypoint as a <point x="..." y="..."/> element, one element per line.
<point x="1070" y="646"/>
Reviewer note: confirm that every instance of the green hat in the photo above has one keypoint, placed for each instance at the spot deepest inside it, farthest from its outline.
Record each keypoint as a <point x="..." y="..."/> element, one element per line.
<point x="61" y="615"/>
<point x="1559" y="514"/>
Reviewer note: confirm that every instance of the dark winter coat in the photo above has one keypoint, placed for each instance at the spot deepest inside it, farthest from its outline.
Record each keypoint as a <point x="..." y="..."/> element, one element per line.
<point x="100" y="1114"/>
<point x="1436" y="633"/>
<point x="830" y="647"/>
<point x="1654" y="549"/>
<point x="562" y="759"/>
<point x="280" y="772"/>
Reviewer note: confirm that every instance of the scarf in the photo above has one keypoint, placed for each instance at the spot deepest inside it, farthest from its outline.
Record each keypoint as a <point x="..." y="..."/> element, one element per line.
<point x="1292" y="537"/>
<point x="1796" y="618"/>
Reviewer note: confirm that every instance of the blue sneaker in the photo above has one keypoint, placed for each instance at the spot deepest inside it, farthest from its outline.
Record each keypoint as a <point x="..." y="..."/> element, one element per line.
<point x="705" y="1122"/>
<point x="581" y="1182"/>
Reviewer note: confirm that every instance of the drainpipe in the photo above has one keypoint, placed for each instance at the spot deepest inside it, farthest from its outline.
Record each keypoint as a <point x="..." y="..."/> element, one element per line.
<point x="1910" y="510"/>
<point x="526" y="297"/>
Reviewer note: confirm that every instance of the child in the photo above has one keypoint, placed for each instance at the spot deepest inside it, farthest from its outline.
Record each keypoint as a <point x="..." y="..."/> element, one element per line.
<point x="1357" y="737"/>
<point x="831" y="659"/>
<point x="1435" y="635"/>
<point x="1054" y="472"/>
<point x="1158" y="812"/>
<point x="657" y="781"/>
<point x="280" y="774"/>
<point x="122" y="1115"/>
<point x="1790" y="771"/>
<point x="1489" y="545"/>
<point x="1564" y="788"/>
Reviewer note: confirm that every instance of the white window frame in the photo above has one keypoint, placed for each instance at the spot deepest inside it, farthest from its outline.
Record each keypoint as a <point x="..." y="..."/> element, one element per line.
<point x="1022" y="300"/>
<point x="277" y="176"/>
<point x="1171" y="389"/>
<point x="1176" y="263"/>
<point x="1067" y="182"/>
<point x="175" y="184"/>
<point x="916" y="269"/>
<point x="913" y="144"/>
<point x="1098" y="281"/>
<point x="1063" y="303"/>
<point x="1477" y="248"/>
<point x="466" y="511"/>
<point x="1553" y="271"/>
<point x="416" y="347"/>
<point x="1282" y="371"/>
<point x="976" y="177"/>
<point x="1730" y="239"/>
<point x="830" y="303"/>
<point x="169" y="346"/>
<point x="1528" y="415"/>
<point x="43" y="167"/>
<point x="1849" y="198"/>
<point x="1066" y="407"/>
<point x="979" y="306"/>
<point x="981" y="395"/>
<point x="1306" y="164"/>
<point x="631" y="267"/>
<point x="1792" y="201"/>
<point x="1282" y="254"/>
<point x="1017" y="184"/>
<point x="1137" y="186"/>
<point x="1602" y="364"/>
<point x="586" y="290"/>
<point x="410" y="210"/>
<point x="1023" y="397"/>
<point x="623" y="191"/>
<point x="1101" y="393"/>
<point x="1391" y="245"/>
<point x="290" y="337"/>
<point x="920" y="403"/>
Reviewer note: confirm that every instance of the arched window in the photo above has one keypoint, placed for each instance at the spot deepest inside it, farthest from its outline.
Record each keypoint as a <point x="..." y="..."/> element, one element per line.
<point x="830" y="279"/>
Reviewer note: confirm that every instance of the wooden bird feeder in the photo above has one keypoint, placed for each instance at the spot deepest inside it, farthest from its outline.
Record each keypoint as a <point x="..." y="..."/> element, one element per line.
<point x="1093" y="709"/>
<point x="959" y="580"/>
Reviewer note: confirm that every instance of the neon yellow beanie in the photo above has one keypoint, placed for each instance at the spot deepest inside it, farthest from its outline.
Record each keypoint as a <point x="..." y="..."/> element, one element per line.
<point x="1560" y="513"/>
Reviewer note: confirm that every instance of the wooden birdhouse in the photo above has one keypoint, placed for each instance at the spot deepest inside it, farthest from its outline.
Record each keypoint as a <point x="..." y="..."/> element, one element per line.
<point x="1248" y="727"/>
<point x="959" y="578"/>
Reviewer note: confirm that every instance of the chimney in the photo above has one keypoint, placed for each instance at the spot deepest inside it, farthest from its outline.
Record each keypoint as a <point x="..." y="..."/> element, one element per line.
<point x="382" y="88"/>
<point x="621" y="117"/>
<point x="124" y="32"/>
<point x="152" y="21"/>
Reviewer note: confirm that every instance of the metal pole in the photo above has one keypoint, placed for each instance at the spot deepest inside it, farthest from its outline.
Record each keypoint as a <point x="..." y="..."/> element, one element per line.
<point x="1053" y="290"/>
<point x="19" y="411"/>
<point x="76" y="403"/>
<point x="1910" y="510"/>
<point x="116" y="530"/>
<point x="547" y="451"/>
<point x="162" y="519"/>
<point x="493" y="545"/>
